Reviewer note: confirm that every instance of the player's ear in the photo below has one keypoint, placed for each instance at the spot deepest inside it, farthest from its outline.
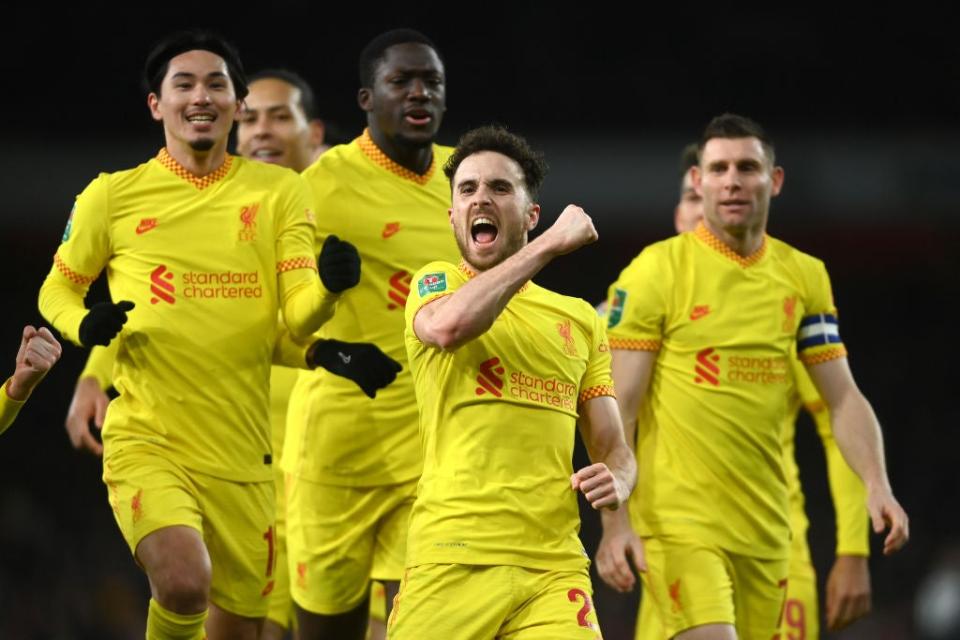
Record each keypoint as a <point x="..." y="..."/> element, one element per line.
<point x="696" y="179"/>
<point x="533" y="216"/>
<point x="777" y="179"/>
<point x="365" y="99"/>
<point x="317" y="132"/>
<point x="153" y="103"/>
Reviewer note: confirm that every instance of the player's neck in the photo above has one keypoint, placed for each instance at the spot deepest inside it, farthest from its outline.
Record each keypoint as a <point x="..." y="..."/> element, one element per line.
<point x="743" y="242"/>
<point x="198" y="163"/>
<point x="416" y="159"/>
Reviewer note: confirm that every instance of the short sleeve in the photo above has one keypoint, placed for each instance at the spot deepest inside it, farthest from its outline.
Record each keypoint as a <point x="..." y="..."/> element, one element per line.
<point x="85" y="247"/>
<point x="818" y="336"/>
<point x="598" y="378"/>
<point x="296" y="227"/>
<point x="434" y="280"/>
<point x="636" y="305"/>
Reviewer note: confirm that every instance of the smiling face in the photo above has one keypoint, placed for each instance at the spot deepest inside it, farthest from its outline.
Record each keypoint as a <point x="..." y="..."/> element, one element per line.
<point x="273" y="127"/>
<point x="408" y="96"/>
<point x="491" y="211"/>
<point x="736" y="180"/>
<point x="197" y="102"/>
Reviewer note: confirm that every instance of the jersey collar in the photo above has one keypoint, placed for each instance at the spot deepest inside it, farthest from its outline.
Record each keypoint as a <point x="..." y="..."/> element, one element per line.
<point x="180" y="171"/>
<point x="379" y="158"/>
<point x="468" y="271"/>
<point x="718" y="245"/>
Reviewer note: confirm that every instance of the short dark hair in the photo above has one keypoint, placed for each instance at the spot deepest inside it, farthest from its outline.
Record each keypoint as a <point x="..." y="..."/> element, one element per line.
<point x="158" y="60"/>
<point x="308" y="100"/>
<point x="375" y="51"/>
<point x="731" y="125"/>
<point x="689" y="157"/>
<point x="498" y="139"/>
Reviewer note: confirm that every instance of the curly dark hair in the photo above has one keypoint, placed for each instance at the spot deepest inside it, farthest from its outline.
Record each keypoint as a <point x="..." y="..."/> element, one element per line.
<point x="497" y="138"/>
<point x="731" y="125"/>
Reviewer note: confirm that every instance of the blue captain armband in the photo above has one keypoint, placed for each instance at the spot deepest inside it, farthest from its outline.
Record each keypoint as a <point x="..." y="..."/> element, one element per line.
<point x="816" y="330"/>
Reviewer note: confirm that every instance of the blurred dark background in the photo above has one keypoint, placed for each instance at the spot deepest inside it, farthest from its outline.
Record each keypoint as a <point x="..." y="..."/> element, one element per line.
<point x="863" y="109"/>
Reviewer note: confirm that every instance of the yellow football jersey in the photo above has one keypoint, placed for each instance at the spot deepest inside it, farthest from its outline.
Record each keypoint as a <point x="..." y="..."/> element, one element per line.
<point x="497" y="422"/>
<point x="399" y="222"/>
<point x="203" y="260"/>
<point x="846" y="488"/>
<point x="709" y="430"/>
<point x="9" y="408"/>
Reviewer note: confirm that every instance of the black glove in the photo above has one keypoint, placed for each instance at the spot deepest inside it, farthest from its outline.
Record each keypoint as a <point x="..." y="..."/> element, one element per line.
<point x="103" y="322"/>
<point x="339" y="264"/>
<point x="361" y="362"/>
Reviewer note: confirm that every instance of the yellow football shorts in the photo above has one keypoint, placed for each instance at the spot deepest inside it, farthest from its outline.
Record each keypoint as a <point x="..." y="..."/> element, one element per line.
<point x="281" y="605"/>
<point x="801" y="615"/>
<point x="691" y="584"/>
<point x="148" y="491"/>
<point x="339" y="538"/>
<point x="476" y="602"/>
<point x="378" y="601"/>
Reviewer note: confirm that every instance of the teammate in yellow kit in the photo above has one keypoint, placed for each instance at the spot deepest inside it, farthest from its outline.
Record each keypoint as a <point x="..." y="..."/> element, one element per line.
<point x="279" y="125"/>
<point x="37" y="354"/>
<point x="203" y="249"/>
<point x="352" y="462"/>
<point x="848" y="586"/>
<point x="504" y="372"/>
<point x="712" y="502"/>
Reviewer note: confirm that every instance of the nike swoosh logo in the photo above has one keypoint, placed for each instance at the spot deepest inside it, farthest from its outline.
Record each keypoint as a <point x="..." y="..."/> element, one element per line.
<point x="699" y="312"/>
<point x="146" y="225"/>
<point x="391" y="229"/>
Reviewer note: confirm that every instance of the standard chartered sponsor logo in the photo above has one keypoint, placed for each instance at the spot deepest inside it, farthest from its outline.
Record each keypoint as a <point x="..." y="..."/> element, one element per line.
<point x="546" y="391"/>
<point x="766" y="370"/>
<point x="222" y="285"/>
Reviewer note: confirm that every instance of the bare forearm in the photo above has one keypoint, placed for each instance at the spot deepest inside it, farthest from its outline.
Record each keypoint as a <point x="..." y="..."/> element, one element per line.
<point x="472" y="309"/>
<point x="858" y="435"/>
<point x="623" y="464"/>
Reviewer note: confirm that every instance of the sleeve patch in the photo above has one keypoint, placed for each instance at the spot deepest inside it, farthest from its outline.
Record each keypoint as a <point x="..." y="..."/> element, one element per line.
<point x="615" y="313"/>
<point x="69" y="227"/>
<point x="817" y="330"/>
<point x="432" y="283"/>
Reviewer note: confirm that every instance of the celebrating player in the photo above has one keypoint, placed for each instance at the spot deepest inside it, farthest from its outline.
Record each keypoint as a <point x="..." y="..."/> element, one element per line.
<point x="703" y="329"/>
<point x="38" y="352"/>
<point x="848" y="586"/>
<point x="504" y="370"/>
<point x="202" y="249"/>
<point x="353" y="462"/>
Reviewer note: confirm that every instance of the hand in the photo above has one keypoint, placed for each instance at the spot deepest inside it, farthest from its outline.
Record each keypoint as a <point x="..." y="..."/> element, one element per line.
<point x="89" y="402"/>
<point x="572" y="230"/>
<point x="339" y="265"/>
<point x="103" y="322"/>
<point x="362" y="362"/>
<point x="38" y="352"/>
<point x="599" y="486"/>
<point x="885" y="512"/>
<point x="619" y="546"/>
<point x="848" y="591"/>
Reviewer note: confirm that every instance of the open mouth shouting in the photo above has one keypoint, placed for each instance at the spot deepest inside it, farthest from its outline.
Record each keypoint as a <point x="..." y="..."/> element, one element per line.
<point x="484" y="231"/>
<point x="418" y="116"/>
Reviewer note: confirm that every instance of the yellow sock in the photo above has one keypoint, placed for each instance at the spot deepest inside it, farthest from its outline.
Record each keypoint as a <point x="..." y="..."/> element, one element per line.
<point x="163" y="624"/>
